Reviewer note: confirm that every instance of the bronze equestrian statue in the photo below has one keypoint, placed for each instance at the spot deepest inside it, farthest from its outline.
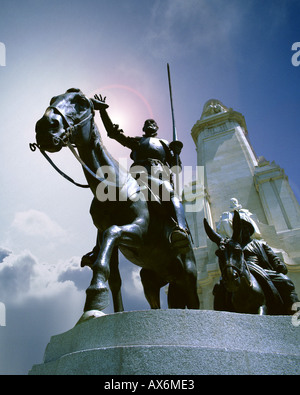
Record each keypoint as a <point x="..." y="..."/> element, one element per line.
<point x="128" y="223"/>
<point x="253" y="278"/>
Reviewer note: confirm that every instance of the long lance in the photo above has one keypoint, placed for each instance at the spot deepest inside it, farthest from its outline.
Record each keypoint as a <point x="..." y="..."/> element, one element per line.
<point x="174" y="129"/>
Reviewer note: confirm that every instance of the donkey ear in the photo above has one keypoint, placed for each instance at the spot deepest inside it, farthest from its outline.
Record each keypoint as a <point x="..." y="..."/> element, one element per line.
<point x="214" y="236"/>
<point x="237" y="227"/>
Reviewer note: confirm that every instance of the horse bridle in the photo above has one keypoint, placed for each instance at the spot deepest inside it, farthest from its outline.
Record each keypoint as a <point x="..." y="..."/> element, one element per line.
<point x="70" y="132"/>
<point x="240" y="272"/>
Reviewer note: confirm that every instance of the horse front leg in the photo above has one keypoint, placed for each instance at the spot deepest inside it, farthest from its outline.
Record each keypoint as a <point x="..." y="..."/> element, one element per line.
<point x="128" y="235"/>
<point x="262" y="310"/>
<point x="97" y="294"/>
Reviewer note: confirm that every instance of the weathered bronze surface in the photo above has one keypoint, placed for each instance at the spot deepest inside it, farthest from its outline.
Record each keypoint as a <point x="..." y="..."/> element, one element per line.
<point x="139" y="229"/>
<point x="253" y="278"/>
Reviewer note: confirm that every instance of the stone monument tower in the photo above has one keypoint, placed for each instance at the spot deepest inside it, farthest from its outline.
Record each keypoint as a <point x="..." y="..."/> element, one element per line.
<point x="231" y="169"/>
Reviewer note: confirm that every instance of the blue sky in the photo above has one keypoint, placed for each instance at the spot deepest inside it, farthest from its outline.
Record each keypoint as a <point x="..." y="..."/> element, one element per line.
<point x="236" y="51"/>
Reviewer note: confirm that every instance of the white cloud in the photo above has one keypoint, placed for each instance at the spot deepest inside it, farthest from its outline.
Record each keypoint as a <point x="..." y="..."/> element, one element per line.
<point x="36" y="223"/>
<point x="41" y="300"/>
<point x="132" y="283"/>
<point x="23" y="277"/>
<point x="15" y="276"/>
<point x="44" y="299"/>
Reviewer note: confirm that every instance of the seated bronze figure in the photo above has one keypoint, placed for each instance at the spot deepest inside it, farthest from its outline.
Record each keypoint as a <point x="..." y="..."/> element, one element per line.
<point x="253" y="279"/>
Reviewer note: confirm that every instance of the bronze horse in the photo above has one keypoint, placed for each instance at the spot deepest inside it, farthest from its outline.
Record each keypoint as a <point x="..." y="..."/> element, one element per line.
<point x="127" y="223"/>
<point x="243" y="288"/>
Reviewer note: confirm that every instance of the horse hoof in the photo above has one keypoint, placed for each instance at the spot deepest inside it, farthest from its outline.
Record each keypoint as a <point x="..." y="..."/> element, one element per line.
<point x="88" y="259"/>
<point x="97" y="298"/>
<point x="180" y="241"/>
<point x="88" y="315"/>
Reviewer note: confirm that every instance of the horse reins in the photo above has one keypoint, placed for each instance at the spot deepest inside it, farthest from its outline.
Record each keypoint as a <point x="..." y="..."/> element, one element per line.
<point x="34" y="146"/>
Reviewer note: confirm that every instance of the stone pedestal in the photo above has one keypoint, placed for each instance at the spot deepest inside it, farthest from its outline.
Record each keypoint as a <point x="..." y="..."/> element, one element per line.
<point x="175" y="342"/>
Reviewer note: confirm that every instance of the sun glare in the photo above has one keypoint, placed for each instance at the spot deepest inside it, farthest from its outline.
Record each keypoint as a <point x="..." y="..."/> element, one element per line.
<point x="127" y="107"/>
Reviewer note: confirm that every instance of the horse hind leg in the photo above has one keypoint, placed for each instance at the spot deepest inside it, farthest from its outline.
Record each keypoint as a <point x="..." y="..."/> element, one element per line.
<point x="115" y="282"/>
<point x="189" y="282"/>
<point x="176" y="296"/>
<point x="152" y="285"/>
<point x="182" y="292"/>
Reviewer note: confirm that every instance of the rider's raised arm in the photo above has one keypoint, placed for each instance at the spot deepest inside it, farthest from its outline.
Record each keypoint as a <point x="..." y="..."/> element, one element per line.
<point x="118" y="134"/>
<point x="113" y="130"/>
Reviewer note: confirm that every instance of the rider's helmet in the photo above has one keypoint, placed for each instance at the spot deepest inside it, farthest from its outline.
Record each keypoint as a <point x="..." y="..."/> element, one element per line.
<point x="150" y="128"/>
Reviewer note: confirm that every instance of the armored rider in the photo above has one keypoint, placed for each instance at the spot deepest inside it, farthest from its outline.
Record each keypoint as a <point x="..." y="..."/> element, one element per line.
<point x="157" y="159"/>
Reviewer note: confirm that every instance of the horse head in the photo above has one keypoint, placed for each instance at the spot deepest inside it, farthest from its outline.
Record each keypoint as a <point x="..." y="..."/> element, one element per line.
<point x="65" y="121"/>
<point x="230" y="254"/>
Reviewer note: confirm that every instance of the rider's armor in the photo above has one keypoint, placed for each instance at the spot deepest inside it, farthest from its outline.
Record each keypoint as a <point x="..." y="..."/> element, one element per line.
<point x="155" y="157"/>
